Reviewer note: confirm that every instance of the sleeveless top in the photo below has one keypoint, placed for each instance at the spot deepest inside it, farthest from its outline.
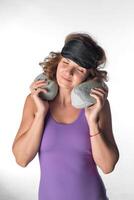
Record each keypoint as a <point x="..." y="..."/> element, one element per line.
<point x="68" y="171"/>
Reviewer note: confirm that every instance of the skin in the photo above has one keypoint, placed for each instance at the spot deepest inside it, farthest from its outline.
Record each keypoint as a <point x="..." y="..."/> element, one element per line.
<point x="104" y="148"/>
<point x="74" y="75"/>
<point x="68" y="75"/>
<point x="28" y="137"/>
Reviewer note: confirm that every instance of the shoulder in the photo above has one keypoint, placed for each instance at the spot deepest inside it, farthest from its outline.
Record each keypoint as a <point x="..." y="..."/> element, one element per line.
<point x="29" y="103"/>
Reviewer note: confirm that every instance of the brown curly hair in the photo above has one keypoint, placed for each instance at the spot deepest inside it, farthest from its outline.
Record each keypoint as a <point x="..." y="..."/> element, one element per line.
<point x="50" y="63"/>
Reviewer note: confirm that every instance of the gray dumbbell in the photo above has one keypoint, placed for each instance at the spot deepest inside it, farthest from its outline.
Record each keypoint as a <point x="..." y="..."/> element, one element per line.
<point x="80" y="94"/>
<point x="51" y="87"/>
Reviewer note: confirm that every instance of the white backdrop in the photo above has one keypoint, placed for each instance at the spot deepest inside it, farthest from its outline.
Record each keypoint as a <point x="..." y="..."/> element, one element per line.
<point x="29" y="30"/>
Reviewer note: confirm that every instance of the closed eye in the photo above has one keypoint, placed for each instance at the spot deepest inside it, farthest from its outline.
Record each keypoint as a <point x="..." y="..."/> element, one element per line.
<point x="65" y="62"/>
<point x="80" y="70"/>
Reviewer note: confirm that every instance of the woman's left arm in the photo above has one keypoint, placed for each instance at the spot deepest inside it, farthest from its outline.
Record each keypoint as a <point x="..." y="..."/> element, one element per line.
<point x="104" y="149"/>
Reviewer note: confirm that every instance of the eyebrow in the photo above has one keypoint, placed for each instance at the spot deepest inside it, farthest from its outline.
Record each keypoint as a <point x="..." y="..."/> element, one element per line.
<point x="67" y="59"/>
<point x="70" y="61"/>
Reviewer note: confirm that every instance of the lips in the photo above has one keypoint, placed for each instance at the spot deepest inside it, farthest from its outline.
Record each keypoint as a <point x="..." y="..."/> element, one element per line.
<point x="66" y="79"/>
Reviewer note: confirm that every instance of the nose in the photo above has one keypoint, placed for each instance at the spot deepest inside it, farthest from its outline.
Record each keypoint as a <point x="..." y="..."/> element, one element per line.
<point x="68" y="74"/>
<point x="69" y="71"/>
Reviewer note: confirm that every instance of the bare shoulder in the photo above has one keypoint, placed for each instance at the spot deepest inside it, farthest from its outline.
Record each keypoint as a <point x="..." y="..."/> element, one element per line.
<point x="28" y="114"/>
<point x="29" y="102"/>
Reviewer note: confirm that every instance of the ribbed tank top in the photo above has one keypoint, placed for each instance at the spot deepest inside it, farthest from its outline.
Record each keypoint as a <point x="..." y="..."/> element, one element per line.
<point x="68" y="171"/>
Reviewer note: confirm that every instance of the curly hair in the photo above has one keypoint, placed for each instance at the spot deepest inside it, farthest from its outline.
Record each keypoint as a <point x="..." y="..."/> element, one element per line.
<point x="50" y="63"/>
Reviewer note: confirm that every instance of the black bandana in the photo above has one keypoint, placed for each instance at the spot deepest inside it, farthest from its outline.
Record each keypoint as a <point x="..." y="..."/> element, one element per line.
<point x="79" y="52"/>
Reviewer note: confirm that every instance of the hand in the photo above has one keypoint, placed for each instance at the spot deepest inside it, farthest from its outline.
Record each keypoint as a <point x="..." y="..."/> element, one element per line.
<point x="92" y="112"/>
<point x="41" y="105"/>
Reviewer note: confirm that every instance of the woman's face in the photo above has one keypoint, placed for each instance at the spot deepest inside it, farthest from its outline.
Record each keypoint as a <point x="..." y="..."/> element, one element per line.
<point x="69" y="74"/>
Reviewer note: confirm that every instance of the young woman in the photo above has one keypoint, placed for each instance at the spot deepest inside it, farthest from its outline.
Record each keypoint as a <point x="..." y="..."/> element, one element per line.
<point x="70" y="142"/>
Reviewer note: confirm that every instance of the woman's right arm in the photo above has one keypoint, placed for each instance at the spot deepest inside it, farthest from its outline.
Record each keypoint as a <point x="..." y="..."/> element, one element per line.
<point x="28" y="138"/>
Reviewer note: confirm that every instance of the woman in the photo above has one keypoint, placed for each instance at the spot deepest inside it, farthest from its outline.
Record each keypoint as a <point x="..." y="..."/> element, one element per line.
<point x="71" y="142"/>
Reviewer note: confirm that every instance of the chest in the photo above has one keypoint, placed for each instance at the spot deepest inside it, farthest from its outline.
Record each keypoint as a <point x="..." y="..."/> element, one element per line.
<point x="59" y="137"/>
<point x="64" y="115"/>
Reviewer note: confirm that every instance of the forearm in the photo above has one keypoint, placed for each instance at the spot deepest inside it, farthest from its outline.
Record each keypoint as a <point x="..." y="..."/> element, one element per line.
<point x="27" y="145"/>
<point x="104" y="154"/>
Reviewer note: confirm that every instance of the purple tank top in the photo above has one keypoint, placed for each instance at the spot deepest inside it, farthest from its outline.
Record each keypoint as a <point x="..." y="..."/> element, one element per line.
<point x="68" y="171"/>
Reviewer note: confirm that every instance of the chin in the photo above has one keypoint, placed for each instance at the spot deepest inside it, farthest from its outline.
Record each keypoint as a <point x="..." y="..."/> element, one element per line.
<point x="64" y="84"/>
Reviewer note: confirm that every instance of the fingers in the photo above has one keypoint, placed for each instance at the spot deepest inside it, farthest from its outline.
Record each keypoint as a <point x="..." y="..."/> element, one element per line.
<point x="36" y="92"/>
<point x="99" y="94"/>
<point x="37" y="84"/>
<point x="35" y="87"/>
<point x="100" y="91"/>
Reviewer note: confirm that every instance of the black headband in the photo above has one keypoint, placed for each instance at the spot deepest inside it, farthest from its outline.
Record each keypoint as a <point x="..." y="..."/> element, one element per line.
<point x="79" y="52"/>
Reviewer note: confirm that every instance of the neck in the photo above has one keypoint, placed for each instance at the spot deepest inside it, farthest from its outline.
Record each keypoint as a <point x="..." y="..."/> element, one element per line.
<point x="64" y="97"/>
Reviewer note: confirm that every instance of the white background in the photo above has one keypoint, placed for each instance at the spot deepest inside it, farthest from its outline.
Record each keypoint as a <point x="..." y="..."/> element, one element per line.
<point x="29" y="30"/>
